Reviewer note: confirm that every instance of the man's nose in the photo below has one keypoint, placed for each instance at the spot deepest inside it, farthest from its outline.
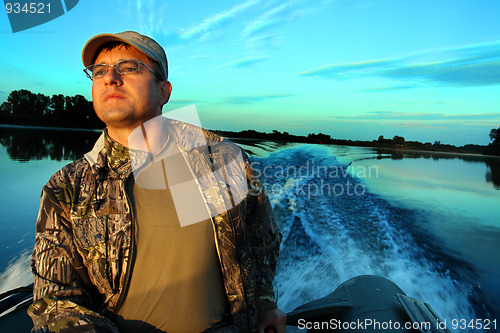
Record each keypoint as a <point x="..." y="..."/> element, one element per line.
<point x="112" y="76"/>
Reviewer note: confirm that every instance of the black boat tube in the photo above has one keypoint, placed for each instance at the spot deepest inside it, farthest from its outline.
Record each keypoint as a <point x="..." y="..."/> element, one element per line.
<point x="367" y="304"/>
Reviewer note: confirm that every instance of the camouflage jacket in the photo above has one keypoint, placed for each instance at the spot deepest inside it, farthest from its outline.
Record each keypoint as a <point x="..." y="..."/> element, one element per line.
<point x="84" y="233"/>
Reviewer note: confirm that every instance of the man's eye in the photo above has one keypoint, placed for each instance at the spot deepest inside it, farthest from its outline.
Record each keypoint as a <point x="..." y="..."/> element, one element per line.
<point x="130" y="69"/>
<point x="99" y="71"/>
<point x="128" y="66"/>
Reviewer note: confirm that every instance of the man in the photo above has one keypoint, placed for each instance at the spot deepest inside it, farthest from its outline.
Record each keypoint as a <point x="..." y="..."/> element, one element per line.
<point x="162" y="227"/>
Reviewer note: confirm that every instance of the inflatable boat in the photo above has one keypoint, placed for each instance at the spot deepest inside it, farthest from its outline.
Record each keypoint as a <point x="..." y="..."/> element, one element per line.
<point x="366" y="303"/>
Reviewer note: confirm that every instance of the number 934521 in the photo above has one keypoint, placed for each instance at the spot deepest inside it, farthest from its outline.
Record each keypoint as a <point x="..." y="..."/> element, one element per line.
<point x="27" y="8"/>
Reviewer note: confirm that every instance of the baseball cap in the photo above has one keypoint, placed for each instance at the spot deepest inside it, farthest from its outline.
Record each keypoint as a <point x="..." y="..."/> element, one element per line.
<point x="145" y="44"/>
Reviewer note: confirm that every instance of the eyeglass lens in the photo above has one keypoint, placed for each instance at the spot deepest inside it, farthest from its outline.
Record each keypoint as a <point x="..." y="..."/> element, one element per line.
<point x="122" y="67"/>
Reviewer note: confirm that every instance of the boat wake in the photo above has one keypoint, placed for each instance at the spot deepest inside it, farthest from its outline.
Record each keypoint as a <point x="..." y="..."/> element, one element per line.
<point x="17" y="274"/>
<point x="334" y="229"/>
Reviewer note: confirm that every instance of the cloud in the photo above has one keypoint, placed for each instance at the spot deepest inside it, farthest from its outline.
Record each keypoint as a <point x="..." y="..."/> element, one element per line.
<point x="458" y="72"/>
<point x="183" y="101"/>
<point x="151" y="20"/>
<point x="254" y="98"/>
<point x="214" y="22"/>
<point x="282" y="13"/>
<point x="272" y="17"/>
<point x="398" y="115"/>
<point x="389" y="88"/>
<point x="243" y="62"/>
<point x="350" y="70"/>
<point x="263" y="42"/>
<point x="252" y="17"/>
<point x="474" y="65"/>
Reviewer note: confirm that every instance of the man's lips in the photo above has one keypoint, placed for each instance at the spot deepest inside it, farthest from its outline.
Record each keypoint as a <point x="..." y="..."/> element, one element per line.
<point x="112" y="95"/>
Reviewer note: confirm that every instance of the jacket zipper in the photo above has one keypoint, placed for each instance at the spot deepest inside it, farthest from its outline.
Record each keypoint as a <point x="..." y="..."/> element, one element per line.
<point x="128" y="275"/>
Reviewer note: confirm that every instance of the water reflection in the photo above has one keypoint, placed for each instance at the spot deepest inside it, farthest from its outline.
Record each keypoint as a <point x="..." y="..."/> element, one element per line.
<point x="492" y="163"/>
<point x="24" y="144"/>
<point x="493" y="174"/>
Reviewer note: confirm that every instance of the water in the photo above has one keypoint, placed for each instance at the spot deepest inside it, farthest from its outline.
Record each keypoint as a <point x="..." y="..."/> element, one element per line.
<point x="428" y="222"/>
<point x="28" y="157"/>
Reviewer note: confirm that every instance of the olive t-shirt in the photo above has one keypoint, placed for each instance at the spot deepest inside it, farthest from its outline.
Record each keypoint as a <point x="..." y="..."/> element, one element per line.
<point x="176" y="283"/>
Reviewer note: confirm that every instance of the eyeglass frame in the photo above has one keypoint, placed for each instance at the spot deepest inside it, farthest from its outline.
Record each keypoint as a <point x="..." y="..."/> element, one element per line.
<point x="86" y="70"/>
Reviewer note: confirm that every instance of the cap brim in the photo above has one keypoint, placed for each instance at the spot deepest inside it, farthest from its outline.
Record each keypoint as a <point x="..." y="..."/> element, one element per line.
<point x="93" y="44"/>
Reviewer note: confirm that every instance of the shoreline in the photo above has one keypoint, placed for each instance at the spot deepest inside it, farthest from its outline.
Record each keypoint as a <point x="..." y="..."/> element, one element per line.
<point x="407" y="146"/>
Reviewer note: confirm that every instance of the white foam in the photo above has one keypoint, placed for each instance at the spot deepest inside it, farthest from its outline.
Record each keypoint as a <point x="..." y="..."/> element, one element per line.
<point x="17" y="274"/>
<point x="354" y="238"/>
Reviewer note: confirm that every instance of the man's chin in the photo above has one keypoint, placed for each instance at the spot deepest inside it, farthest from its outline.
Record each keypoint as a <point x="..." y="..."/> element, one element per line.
<point x="111" y="117"/>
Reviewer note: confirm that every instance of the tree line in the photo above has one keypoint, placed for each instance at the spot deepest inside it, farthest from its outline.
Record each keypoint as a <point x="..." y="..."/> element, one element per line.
<point x="26" y="108"/>
<point x="494" y="147"/>
<point x="397" y="142"/>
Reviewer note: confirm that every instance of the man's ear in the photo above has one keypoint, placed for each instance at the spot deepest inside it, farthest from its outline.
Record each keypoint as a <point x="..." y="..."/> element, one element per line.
<point x="165" y="91"/>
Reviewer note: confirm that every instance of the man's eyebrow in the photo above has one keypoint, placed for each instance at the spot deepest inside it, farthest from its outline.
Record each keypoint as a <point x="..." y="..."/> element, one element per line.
<point x="121" y="59"/>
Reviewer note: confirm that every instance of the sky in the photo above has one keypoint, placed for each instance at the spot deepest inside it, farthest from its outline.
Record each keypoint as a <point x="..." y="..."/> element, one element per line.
<point x="427" y="70"/>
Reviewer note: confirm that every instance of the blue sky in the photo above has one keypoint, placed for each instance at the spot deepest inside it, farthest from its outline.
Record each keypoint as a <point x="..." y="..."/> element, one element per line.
<point x="426" y="70"/>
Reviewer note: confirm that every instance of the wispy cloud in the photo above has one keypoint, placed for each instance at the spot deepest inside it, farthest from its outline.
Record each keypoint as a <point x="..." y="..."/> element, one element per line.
<point x="350" y="70"/>
<point x="183" y="101"/>
<point x="254" y="19"/>
<point x="419" y="116"/>
<point x="388" y="88"/>
<point x="263" y="42"/>
<point x="473" y="65"/>
<point x="285" y="11"/>
<point x="216" y="21"/>
<point x="149" y="15"/>
<point x="243" y="62"/>
<point x="145" y="13"/>
<point x="271" y="17"/>
<point x="254" y="98"/>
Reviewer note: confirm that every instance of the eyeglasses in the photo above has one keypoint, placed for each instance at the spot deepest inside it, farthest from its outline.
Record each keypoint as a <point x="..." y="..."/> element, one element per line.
<point x="122" y="67"/>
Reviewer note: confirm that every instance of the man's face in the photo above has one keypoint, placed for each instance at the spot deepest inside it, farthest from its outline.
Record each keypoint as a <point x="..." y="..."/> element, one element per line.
<point x="126" y="101"/>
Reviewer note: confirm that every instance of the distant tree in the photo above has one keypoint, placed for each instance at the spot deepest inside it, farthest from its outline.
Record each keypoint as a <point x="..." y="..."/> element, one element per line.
<point x="318" y="138"/>
<point x="6" y="109"/>
<point x="398" y="140"/>
<point x="26" y="108"/>
<point x="69" y="108"/>
<point x="494" y="147"/>
<point x="381" y="138"/>
<point x="41" y="106"/>
<point x="437" y="143"/>
<point x="22" y="101"/>
<point x="57" y="106"/>
<point x="494" y="133"/>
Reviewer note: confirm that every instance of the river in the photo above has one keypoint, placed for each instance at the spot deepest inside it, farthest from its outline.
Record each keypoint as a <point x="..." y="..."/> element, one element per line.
<point x="427" y="221"/>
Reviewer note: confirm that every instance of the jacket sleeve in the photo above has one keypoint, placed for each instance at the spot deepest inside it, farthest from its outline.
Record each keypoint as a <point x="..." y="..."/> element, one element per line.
<point x="63" y="296"/>
<point x="265" y="238"/>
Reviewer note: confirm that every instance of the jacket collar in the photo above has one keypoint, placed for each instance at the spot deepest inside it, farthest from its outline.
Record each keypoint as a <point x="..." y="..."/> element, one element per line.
<point x="118" y="158"/>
